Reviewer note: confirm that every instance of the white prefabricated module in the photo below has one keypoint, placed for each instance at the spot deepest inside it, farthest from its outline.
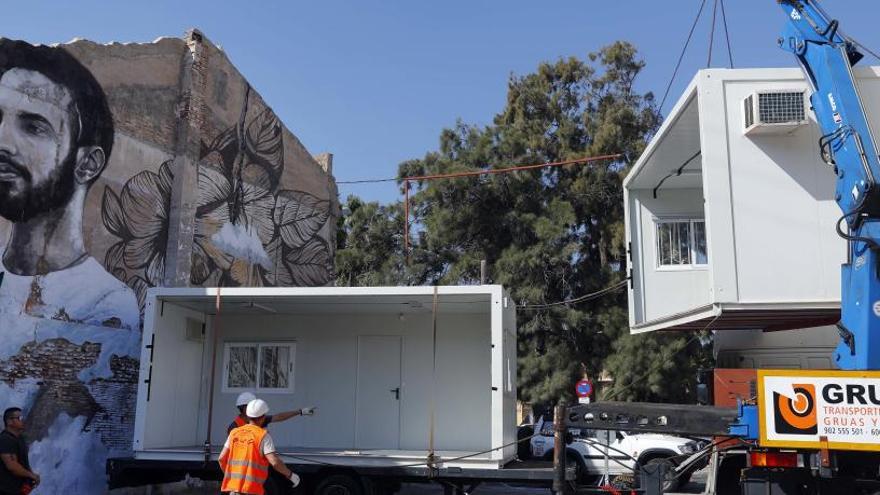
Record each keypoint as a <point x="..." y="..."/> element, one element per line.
<point x="392" y="371"/>
<point x="730" y="212"/>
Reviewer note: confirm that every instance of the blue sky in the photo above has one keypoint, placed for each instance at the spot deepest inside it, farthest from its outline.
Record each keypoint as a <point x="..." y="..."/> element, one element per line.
<point x="375" y="82"/>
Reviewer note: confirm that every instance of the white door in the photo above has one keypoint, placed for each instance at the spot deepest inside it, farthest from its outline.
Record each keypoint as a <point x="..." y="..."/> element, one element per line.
<point x="377" y="420"/>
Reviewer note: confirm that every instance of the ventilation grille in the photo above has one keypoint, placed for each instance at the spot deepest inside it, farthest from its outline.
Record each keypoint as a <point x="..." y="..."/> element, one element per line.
<point x="195" y="330"/>
<point x="778" y="108"/>
<point x="748" y="110"/>
<point x="773" y="112"/>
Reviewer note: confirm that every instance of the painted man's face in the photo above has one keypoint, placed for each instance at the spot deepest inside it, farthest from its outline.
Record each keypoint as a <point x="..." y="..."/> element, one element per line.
<point x="37" y="156"/>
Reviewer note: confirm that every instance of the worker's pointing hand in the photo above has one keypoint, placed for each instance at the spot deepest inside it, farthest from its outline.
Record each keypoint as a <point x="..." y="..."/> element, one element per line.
<point x="308" y="411"/>
<point x="294" y="478"/>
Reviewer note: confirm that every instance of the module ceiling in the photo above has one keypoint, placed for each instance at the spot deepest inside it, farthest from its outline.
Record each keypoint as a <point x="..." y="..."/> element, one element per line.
<point x="677" y="141"/>
<point x="337" y="304"/>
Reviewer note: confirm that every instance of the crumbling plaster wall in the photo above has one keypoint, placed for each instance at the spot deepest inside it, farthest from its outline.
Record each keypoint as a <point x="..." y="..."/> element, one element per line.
<point x="204" y="186"/>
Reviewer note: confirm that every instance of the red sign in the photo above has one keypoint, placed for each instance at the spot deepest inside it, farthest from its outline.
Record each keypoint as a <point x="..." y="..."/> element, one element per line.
<point x="584" y="388"/>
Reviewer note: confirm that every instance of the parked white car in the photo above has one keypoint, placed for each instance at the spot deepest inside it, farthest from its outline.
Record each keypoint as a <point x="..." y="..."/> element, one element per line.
<point x="587" y="451"/>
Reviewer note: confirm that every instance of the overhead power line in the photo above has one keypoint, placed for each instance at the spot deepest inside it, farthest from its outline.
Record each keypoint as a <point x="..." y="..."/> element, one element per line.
<point x="479" y="172"/>
<point x="586" y="297"/>
<point x="367" y="181"/>
<point x="486" y="171"/>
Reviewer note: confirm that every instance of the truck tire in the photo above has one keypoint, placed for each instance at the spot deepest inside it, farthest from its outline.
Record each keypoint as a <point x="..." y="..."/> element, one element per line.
<point x="727" y="479"/>
<point x="339" y="484"/>
<point x="524" y="447"/>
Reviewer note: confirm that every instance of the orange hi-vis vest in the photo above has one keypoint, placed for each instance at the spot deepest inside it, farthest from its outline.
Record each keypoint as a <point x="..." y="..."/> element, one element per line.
<point x="246" y="468"/>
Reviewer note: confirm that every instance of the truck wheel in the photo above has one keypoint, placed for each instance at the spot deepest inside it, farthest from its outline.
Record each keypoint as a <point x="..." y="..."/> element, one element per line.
<point x="339" y="484"/>
<point x="727" y="479"/>
<point x="670" y="482"/>
<point x="524" y="447"/>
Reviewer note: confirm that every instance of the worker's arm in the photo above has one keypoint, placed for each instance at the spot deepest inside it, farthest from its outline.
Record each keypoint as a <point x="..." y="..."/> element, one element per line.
<point x="267" y="447"/>
<point x="15" y="467"/>
<point x="224" y="454"/>
<point x="278" y="464"/>
<point x="306" y="411"/>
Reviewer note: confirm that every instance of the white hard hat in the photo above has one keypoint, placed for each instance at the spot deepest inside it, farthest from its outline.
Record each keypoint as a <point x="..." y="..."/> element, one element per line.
<point x="256" y="408"/>
<point x="244" y="398"/>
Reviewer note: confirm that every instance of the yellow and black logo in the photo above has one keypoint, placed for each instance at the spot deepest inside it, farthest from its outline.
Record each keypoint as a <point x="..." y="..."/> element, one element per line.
<point x="796" y="415"/>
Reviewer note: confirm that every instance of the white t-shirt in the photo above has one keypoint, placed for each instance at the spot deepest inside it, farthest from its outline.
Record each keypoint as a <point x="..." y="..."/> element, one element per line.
<point x="83" y="293"/>
<point x="267" y="445"/>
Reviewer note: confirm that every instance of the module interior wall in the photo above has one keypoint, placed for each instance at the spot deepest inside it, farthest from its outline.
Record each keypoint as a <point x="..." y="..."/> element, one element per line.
<point x="176" y="382"/>
<point x="782" y="201"/>
<point x="666" y="291"/>
<point x="326" y="377"/>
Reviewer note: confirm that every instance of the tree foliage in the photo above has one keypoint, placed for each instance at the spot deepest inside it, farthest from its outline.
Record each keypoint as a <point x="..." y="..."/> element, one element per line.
<point x="548" y="234"/>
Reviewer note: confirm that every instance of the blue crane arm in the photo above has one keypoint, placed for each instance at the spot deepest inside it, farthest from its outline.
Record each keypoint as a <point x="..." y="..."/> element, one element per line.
<point x="826" y="57"/>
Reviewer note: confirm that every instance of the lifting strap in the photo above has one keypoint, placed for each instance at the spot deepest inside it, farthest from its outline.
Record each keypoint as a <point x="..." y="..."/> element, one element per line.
<point x="432" y="458"/>
<point x="215" y="332"/>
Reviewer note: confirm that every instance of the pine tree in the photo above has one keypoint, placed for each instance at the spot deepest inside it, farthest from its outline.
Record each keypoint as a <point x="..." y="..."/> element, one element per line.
<point x="549" y="234"/>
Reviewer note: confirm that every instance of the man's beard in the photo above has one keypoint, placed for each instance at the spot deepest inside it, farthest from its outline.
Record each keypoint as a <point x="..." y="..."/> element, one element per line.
<point x="34" y="200"/>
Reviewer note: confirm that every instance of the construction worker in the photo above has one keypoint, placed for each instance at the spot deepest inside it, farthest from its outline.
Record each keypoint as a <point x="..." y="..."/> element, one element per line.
<point x="245" y="397"/>
<point x="248" y="453"/>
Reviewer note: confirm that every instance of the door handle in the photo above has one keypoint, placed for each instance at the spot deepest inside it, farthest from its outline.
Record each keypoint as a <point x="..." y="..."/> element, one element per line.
<point x="396" y="392"/>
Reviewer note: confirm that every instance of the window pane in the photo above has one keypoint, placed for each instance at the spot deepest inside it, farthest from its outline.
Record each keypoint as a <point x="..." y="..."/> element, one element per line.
<point x="701" y="257"/>
<point x="663" y="244"/>
<point x="274" y="366"/>
<point x="673" y="243"/>
<point x="683" y="238"/>
<point x="242" y="367"/>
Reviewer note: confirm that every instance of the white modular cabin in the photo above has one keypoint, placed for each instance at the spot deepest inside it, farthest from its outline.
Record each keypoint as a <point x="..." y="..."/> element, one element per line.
<point x="385" y="383"/>
<point x="730" y="212"/>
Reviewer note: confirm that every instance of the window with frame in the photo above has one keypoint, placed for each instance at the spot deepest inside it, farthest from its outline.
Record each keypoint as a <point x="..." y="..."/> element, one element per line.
<point x="681" y="243"/>
<point x="264" y="367"/>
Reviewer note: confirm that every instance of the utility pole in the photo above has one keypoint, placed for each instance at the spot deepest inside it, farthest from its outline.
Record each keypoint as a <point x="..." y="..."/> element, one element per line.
<point x="560" y="487"/>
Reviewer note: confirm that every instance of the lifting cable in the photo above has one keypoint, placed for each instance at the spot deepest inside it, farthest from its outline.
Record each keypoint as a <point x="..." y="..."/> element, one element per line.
<point x="215" y="331"/>
<point x="439" y="460"/>
<point x="661" y="362"/>
<point x="712" y="33"/>
<point x="683" y="50"/>
<point x="726" y="34"/>
<point x="690" y="35"/>
<point x="852" y="40"/>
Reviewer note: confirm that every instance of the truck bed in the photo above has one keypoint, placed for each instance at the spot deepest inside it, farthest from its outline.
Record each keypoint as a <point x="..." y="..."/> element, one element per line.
<point x="176" y="463"/>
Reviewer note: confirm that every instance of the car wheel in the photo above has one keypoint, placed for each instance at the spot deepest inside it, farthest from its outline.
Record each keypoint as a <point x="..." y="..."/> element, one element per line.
<point x="670" y="479"/>
<point x="572" y="458"/>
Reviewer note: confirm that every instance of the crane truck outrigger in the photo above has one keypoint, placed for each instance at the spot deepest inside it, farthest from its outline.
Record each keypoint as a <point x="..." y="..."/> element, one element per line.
<point x="806" y="432"/>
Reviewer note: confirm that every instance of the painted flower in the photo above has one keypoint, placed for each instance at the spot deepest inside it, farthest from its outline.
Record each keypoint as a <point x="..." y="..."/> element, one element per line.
<point x="139" y="217"/>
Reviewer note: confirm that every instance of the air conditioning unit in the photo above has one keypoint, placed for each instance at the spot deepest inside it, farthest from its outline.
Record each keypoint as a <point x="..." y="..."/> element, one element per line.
<point x="774" y="112"/>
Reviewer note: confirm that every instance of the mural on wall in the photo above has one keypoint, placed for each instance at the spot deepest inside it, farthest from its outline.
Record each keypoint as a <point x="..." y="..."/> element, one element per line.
<point x="69" y="330"/>
<point x="248" y="231"/>
<point x="70" y="307"/>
